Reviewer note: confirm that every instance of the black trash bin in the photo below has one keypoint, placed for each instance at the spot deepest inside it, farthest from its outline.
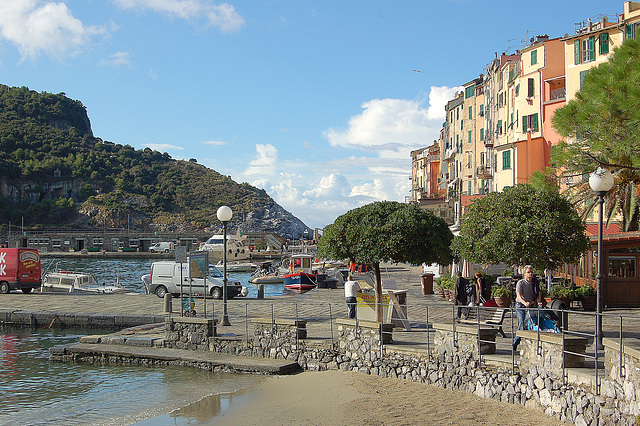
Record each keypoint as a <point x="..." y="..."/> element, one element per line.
<point x="560" y="311"/>
<point x="332" y="283"/>
<point x="321" y="280"/>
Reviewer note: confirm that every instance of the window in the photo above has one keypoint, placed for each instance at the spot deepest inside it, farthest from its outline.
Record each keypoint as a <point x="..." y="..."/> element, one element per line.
<point x="583" y="74"/>
<point x="530" y="87"/>
<point x="469" y="136"/>
<point x="534" y="57"/>
<point x="469" y="92"/>
<point x="622" y="267"/>
<point x="588" y="50"/>
<point x="470" y="112"/>
<point x="457" y="113"/>
<point x="506" y="160"/>
<point x="461" y="124"/>
<point x="481" y="110"/>
<point x="530" y="122"/>
<point x="603" y="44"/>
<point x="482" y="134"/>
<point x="576" y="52"/>
<point x="517" y="90"/>
<point x="632" y="30"/>
<point x="469" y="187"/>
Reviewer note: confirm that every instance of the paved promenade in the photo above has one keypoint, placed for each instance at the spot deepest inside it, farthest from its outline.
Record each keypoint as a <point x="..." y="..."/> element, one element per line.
<point x="316" y="306"/>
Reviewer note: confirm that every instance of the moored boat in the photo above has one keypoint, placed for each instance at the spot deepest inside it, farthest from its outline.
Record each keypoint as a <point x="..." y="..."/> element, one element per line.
<point x="238" y="266"/>
<point x="76" y="282"/>
<point x="300" y="276"/>
<point x="236" y="249"/>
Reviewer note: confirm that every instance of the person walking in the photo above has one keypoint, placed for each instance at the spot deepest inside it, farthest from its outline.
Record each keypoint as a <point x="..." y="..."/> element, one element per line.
<point x="527" y="296"/>
<point x="483" y="289"/>
<point x="351" y="289"/>
<point x="460" y="291"/>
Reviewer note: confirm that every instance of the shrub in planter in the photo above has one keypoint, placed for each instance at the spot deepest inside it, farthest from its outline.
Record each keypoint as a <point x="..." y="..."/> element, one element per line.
<point x="587" y="296"/>
<point x="562" y="293"/>
<point x="502" y="295"/>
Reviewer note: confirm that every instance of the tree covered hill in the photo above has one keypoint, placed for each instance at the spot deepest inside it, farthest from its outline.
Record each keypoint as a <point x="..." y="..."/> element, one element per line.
<point x="55" y="173"/>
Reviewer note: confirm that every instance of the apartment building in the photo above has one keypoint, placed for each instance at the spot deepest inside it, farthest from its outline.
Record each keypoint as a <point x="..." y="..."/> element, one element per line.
<point x="498" y="131"/>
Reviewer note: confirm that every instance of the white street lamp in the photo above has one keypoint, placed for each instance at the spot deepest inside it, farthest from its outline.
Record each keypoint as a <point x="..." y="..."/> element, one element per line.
<point x="224" y="214"/>
<point x="600" y="181"/>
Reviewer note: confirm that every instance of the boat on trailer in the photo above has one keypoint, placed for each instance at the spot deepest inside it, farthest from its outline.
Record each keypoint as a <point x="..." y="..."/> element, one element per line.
<point x="300" y="276"/>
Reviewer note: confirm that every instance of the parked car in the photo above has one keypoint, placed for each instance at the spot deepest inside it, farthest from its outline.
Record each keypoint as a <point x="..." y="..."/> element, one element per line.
<point x="162" y="247"/>
<point x="166" y="277"/>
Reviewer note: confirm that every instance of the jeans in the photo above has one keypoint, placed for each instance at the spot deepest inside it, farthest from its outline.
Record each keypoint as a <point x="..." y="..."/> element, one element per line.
<point x="521" y="313"/>
<point x="351" y="304"/>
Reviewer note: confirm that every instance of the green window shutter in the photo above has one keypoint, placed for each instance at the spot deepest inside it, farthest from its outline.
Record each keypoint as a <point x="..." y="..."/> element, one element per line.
<point x="469" y="187"/>
<point x="524" y="123"/>
<point x="481" y="134"/>
<point x="535" y="122"/>
<point x="583" y="74"/>
<point x="604" y="44"/>
<point x="592" y="48"/>
<point x="534" y="57"/>
<point x="481" y="109"/>
<point x="576" y="52"/>
<point x="530" y="87"/>
<point x="517" y="89"/>
<point x="470" y="112"/>
<point x="629" y="31"/>
<point x="469" y="136"/>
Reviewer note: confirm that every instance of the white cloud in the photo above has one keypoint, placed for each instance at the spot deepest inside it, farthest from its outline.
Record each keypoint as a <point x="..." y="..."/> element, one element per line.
<point x="222" y="16"/>
<point x="385" y="132"/>
<point x="36" y="27"/>
<point x="215" y="143"/>
<point x="117" y="59"/>
<point x="438" y="98"/>
<point x="163" y="147"/>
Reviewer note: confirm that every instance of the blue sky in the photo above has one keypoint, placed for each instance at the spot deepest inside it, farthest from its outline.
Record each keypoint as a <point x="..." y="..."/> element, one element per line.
<point x="317" y="102"/>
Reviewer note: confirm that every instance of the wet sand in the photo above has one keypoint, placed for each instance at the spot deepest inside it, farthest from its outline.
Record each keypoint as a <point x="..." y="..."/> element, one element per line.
<point x="337" y="397"/>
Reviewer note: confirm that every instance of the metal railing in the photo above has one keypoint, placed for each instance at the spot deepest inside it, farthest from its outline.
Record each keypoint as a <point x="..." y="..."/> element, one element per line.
<point x="321" y="326"/>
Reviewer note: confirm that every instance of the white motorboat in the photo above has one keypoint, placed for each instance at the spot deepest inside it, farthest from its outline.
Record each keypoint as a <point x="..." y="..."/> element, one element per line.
<point x="77" y="282"/>
<point x="236" y="249"/>
<point x="238" y="266"/>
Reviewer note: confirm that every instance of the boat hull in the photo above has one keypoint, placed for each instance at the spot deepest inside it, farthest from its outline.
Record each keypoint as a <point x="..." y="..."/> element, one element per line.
<point x="267" y="280"/>
<point x="299" y="281"/>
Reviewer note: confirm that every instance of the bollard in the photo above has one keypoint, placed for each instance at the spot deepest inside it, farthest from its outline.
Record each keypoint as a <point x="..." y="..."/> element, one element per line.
<point x="260" y="291"/>
<point x="167" y="303"/>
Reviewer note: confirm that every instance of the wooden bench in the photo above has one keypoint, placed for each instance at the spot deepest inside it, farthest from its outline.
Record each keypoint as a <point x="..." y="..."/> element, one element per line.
<point x="486" y="318"/>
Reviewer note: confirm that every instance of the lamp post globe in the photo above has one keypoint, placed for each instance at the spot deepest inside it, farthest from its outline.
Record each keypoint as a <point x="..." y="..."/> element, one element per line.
<point x="224" y="214"/>
<point x="600" y="181"/>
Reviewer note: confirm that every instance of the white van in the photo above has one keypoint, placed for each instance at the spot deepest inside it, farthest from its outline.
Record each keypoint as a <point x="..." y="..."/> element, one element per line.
<point x="165" y="278"/>
<point x="162" y="247"/>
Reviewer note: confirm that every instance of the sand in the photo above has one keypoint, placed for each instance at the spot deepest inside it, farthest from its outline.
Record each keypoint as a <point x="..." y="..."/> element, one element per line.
<point x="336" y="397"/>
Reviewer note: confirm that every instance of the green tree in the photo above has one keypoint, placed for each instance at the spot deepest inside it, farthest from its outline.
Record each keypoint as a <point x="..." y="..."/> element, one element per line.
<point x="387" y="231"/>
<point x="519" y="226"/>
<point x="602" y="125"/>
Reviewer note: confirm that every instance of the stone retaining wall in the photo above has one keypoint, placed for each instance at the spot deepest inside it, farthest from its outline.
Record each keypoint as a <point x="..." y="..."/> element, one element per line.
<point x="189" y="333"/>
<point x="454" y="364"/>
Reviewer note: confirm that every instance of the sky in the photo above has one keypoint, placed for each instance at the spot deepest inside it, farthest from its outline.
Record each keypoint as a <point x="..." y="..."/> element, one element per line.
<point x="318" y="102"/>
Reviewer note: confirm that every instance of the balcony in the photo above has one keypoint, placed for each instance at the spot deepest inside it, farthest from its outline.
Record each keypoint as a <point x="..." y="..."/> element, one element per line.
<point x="557" y="94"/>
<point x="484" y="172"/>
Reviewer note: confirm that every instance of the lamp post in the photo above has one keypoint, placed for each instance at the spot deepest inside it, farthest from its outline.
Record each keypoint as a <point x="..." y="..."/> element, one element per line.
<point x="224" y="215"/>
<point x="600" y="181"/>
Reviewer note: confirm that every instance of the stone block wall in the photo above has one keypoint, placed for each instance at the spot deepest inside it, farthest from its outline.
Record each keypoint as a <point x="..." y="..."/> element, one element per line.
<point x="189" y="333"/>
<point x="548" y="352"/>
<point x="622" y="383"/>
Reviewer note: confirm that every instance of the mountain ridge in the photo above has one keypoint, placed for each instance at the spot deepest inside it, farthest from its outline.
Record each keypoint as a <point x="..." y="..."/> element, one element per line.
<point x="57" y="172"/>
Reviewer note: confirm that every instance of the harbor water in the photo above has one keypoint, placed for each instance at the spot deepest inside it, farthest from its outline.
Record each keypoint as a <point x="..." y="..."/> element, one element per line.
<point x="129" y="272"/>
<point x="36" y="391"/>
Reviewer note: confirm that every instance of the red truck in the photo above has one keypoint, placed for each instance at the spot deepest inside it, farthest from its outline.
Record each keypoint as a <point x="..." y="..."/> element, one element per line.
<point x="19" y="269"/>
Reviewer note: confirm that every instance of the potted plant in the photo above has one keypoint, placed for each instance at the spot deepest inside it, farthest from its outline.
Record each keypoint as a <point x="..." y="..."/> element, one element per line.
<point x="587" y="296"/>
<point x="562" y="293"/>
<point x="502" y="295"/>
<point x="443" y="282"/>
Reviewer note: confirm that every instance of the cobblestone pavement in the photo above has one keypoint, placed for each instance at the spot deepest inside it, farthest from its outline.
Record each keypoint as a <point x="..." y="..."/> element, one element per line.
<point x="315" y="306"/>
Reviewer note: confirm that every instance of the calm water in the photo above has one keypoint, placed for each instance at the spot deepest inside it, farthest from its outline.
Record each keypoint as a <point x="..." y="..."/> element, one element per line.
<point x="36" y="391"/>
<point x="130" y="271"/>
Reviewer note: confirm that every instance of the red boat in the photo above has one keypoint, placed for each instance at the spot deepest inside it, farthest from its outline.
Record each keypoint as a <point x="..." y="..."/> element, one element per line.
<point x="300" y="276"/>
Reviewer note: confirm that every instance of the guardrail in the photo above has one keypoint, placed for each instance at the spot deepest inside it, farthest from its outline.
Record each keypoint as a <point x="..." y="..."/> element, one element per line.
<point x="320" y="323"/>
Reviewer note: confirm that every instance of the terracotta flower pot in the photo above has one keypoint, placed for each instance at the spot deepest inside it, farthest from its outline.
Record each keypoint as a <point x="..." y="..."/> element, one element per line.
<point x="503" y="302"/>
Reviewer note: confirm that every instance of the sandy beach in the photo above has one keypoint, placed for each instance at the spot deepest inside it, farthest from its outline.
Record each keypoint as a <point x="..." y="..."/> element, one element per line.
<point x="337" y="397"/>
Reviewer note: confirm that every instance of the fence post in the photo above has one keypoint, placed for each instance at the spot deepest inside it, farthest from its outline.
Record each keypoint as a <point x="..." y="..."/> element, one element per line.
<point x="333" y="343"/>
<point x="620" y="349"/>
<point x="246" y="322"/>
<point x="428" y="336"/>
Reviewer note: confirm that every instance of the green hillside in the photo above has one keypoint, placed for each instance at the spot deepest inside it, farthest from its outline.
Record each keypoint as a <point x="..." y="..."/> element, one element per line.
<point x="54" y="170"/>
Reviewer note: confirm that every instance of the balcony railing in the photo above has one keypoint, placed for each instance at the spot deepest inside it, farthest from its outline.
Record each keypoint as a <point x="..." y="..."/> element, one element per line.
<point x="485" y="172"/>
